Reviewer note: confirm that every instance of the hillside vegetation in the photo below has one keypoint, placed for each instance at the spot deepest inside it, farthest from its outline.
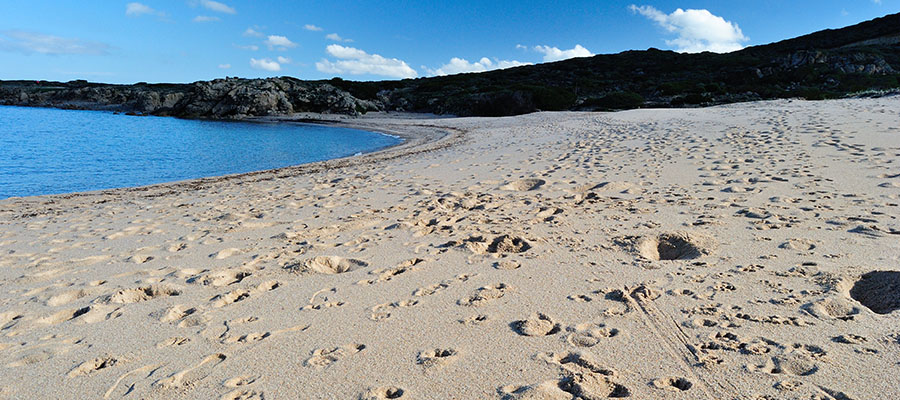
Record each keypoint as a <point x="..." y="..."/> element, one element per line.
<point x="826" y="64"/>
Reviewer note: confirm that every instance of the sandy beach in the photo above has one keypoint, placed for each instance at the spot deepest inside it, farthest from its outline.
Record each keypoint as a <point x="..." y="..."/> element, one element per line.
<point x="746" y="251"/>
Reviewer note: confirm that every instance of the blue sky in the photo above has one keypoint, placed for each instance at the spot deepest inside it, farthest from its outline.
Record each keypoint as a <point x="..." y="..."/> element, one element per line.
<point x="189" y="40"/>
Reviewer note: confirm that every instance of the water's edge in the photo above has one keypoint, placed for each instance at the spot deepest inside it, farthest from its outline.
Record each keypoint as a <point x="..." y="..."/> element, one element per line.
<point x="414" y="138"/>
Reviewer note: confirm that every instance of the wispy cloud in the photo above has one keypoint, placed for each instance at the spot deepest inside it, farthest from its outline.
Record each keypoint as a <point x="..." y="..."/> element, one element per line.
<point x="279" y="42"/>
<point x="250" y="47"/>
<point x="217" y="7"/>
<point x="224" y="66"/>
<point x="265" y="64"/>
<point x="697" y="30"/>
<point x="283" y="60"/>
<point x="555" y="54"/>
<point x="461" y="65"/>
<point x="138" y="9"/>
<point x="250" y="32"/>
<point x="337" y="38"/>
<point x="311" y="27"/>
<point x="357" y="62"/>
<point x="206" y="18"/>
<point x="27" y="42"/>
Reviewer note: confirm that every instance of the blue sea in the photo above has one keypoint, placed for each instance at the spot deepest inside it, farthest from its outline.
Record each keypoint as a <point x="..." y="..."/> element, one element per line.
<point x="49" y="151"/>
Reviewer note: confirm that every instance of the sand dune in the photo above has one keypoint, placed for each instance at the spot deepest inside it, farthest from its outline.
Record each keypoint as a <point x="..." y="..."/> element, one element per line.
<point x="746" y="251"/>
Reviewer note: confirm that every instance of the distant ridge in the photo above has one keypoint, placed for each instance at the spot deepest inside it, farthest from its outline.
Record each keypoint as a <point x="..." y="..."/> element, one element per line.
<point x="863" y="58"/>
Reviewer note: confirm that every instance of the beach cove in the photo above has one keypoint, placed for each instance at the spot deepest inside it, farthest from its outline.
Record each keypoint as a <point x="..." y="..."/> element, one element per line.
<point x="739" y="251"/>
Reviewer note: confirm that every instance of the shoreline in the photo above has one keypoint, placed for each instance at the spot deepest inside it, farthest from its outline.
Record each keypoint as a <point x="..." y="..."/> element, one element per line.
<point x="415" y="138"/>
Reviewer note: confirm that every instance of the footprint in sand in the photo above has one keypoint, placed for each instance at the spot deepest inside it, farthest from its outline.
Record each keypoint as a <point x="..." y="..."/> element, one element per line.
<point x="221" y="278"/>
<point x="173" y="341"/>
<point x="176" y="313"/>
<point x="383" y="393"/>
<point x="474" y="320"/>
<point x="589" y="334"/>
<point x="239" y="295"/>
<point x="384" y="311"/>
<point x="548" y="390"/>
<point x="225" y="253"/>
<point x="240" y="381"/>
<point x="671" y="246"/>
<point x="142" y="293"/>
<point x="322" y="358"/>
<point x="584" y="377"/>
<point x="798" y="244"/>
<point x="535" y="325"/>
<point x="67" y="297"/>
<point x="186" y="377"/>
<point x="437" y="287"/>
<point x="92" y="366"/>
<point x="328" y="265"/>
<point x="524" y="185"/>
<point x="485" y="295"/>
<point x="243" y="394"/>
<point x="436" y="358"/>
<point x="386" y="274"/>
<point x="672" y="383"/>
<point x="507" y="265"/>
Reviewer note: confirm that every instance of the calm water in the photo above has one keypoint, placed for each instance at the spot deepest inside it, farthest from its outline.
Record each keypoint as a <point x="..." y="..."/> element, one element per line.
<point x="46" y="151"/>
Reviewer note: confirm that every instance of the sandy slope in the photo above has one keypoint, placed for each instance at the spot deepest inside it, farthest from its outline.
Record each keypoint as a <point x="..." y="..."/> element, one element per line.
<point x="694" y="254"/>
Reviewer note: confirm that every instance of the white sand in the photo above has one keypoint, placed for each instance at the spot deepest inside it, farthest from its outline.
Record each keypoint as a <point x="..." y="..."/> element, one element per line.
<point x="518" y="258"/>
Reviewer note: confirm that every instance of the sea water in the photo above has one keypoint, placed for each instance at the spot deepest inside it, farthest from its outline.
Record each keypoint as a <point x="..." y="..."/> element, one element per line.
<point x="49" y="151"/>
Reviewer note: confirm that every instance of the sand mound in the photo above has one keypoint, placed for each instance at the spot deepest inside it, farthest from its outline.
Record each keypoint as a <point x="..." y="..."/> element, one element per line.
<point x="508" y="244"/>
<point x="499" y="244"/>
<point x="879" y="291"/>
<point x="675" y="246"/>
<point x="143" y="293"/>
<point x="524" y="185"/>
<point x="327" y="265"/>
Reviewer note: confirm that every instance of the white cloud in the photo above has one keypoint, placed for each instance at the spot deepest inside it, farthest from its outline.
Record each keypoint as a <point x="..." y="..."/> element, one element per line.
<point x="522" y="47"/>
<point x="280" y="42"/>
<point x="311" y="27"/>
<point x="206" y="18"/>
<point x="460" y="65"/>
<point x="697" y="30"/>
<point x="357" y="62"/>
<point x="251" y="47"/>
<point x="224" y="66"/>
<point x="337" y="38"/>
<point x="250" y="32"/>
<point x="217" y="7"/>
<point x="265" y="64"/>
<point x="138" y="9"/>
<point x="555" y="54"/>
<point x="32" y="42"/>
<point x="283" y="60"/>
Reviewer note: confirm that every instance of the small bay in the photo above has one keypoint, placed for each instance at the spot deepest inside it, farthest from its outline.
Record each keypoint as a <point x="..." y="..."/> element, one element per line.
<point x="50" y="151"/>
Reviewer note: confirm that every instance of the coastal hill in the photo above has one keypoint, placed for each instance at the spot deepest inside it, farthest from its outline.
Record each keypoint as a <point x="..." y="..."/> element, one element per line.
<point x="863" y="58"/>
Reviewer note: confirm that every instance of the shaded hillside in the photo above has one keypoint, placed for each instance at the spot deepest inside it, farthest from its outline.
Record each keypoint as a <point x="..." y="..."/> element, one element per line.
<point x="825" y="64"/>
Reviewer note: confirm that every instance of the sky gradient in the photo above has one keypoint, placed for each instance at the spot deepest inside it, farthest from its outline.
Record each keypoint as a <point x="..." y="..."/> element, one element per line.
<point x="190" y="40"/>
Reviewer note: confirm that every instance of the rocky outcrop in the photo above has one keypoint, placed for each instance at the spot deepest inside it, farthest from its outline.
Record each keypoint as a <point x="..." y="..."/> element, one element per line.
<point x="230" y="98"/>
<point x="852" y="63"/>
